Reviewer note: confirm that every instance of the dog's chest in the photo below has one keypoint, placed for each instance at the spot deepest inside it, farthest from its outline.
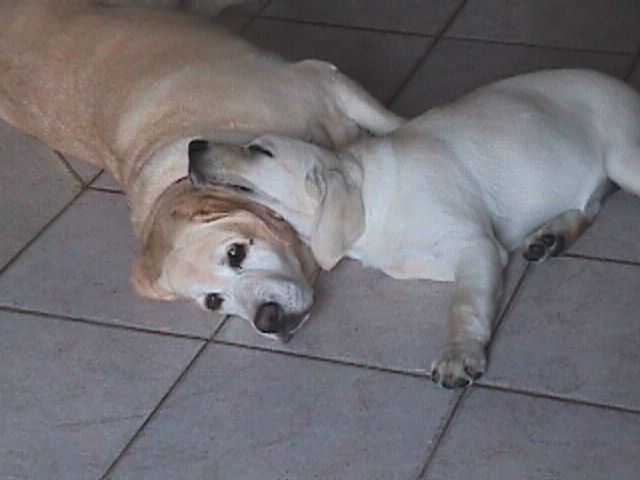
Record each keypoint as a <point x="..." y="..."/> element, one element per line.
<point x="406" y="261"/>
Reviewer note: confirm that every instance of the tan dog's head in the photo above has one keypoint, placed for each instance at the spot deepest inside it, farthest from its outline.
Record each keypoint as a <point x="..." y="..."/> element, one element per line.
<point x="315" y="190"/>
<point x="228" y="255"/>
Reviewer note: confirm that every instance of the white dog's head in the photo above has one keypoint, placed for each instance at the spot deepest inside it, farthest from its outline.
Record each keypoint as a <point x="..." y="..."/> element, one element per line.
<point x="228" y="255"/>
<point x="311" y="187"/>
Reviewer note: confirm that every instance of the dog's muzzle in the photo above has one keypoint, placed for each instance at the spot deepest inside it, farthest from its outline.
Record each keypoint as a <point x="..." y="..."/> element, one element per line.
<point x="271" y="320"/>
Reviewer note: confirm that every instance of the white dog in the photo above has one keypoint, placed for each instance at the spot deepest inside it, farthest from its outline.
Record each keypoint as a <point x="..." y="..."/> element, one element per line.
<point x="524" y="162"/>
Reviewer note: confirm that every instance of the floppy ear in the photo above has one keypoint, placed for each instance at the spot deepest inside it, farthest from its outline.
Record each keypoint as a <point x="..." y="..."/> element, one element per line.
<point x="271" y="223"/>
<point x="144" y="278"/>
<point x="147" y="268"/>
<point x="340" y="219"/>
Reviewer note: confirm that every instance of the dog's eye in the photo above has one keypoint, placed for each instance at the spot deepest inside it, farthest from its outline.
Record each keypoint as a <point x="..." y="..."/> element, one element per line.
<point x="236" y="254"/>
<point x="213" y="301"/>
<point x="255" y="148"/>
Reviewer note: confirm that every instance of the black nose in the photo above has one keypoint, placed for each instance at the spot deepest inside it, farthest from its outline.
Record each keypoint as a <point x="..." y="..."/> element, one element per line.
<point x="197" y="149"/>
<point x="271" y="319"/>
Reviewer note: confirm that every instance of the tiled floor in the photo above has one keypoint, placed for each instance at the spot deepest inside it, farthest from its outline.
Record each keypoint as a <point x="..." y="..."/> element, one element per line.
<point x="98" y="383"/>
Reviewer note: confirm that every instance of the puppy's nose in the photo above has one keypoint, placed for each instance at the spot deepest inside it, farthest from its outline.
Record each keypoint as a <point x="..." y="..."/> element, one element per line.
<point x="271" y="319"/>
<point x="197" y="160"/>
<point x="197" y="146"/>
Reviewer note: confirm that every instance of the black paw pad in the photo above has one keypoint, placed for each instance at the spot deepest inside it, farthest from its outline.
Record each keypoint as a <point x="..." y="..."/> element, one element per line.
<point x="535" y="252"/>
<point x="547" y="245"/>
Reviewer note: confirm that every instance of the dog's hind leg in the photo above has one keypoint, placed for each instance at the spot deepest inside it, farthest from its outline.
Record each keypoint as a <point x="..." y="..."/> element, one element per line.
<point x="623" y="166"/>
<point x="557" y="235"/>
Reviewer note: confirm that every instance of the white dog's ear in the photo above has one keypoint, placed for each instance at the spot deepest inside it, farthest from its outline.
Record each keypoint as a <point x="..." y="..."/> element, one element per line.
<point x="340" y="219"/>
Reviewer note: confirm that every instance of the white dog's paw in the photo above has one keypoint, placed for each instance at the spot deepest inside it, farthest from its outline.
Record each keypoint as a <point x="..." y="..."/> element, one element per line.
<point x="459" y="366"/>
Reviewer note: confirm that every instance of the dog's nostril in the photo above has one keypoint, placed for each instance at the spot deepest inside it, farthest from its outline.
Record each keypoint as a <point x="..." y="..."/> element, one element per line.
<point x="269" y="318"/>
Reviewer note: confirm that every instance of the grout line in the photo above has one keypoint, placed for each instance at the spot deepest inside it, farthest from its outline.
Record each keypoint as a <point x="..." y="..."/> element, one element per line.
<point x="70" y="169"/>
<point x="557" y="398"/>
<point x="488" y="41"/>
<point x="617" y="261"/>
<point x="154" y="411"/>
<point x="428" y="50"/>
<point x="39" y="233"/>
<point x="97" y="323"/>
<point x="442" y="431"/>
<point x="95" y="188"/>
<point x="252" y="18"/>
<point x="507" y="309"/>
<point x="465" y="392"/>
<point x="345" y="26"/>
<point x="336" y="361"/>
<point x="163" y="400"/>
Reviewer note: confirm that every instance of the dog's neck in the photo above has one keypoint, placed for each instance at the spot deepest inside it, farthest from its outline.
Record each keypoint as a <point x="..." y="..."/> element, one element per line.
<point x="163" y="170"/>
<point x="371" y="157"/>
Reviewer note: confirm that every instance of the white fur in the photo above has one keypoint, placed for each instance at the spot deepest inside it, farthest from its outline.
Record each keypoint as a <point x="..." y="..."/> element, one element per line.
<point x="450" y="193"/>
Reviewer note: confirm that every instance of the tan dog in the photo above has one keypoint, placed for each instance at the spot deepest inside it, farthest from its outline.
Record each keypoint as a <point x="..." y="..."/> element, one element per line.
<point x="127" y="89"/>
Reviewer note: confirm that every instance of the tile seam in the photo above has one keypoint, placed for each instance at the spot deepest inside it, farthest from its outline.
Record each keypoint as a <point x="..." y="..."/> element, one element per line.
<point x="136" y="435"/>
<point x="430" y="47"/>
<point x="557" y="398"/>
<point x="39" y="233"/>
<point x="98" y="323"/>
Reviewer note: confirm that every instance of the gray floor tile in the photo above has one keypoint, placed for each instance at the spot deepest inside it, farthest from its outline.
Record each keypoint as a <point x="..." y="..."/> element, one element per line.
<point x="573" y="332"/>
<point x="70" y="399"/>
<point x="365" y="317"/>
<point x="233" y="23"/>
<point x="35" y="186"/>
<point x="610" y="236"/>
<point x="584" y="24"/>
<point x="635" y="76"/>
<point x="455" y="67"/>
<point x="250" y="415"/>
<point x="501" y="436"/>
<point x="80" y="268"/>
<point x="417" y="16"/>
<point x="377" y="60"/>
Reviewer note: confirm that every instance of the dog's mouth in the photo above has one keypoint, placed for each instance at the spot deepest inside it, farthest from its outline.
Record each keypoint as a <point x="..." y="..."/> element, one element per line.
<point x="243" y="188"/>
<point x="235" y="184"/>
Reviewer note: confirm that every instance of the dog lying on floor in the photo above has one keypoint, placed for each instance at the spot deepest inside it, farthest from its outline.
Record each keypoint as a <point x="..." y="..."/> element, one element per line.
<point x="127" y="89"/>
<point x="521" y="163"/>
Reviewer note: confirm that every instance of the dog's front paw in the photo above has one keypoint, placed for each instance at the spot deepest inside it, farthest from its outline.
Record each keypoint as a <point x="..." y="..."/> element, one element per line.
<point x="459" y="366"/>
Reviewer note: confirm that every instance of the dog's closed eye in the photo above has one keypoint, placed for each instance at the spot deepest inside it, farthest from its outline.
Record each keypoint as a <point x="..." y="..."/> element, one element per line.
<point x="255" y="148"/>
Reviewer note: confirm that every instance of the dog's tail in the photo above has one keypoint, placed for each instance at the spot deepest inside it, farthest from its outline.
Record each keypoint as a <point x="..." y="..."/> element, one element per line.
<point x="363" y="108"/>
<point x="355" y="102"/>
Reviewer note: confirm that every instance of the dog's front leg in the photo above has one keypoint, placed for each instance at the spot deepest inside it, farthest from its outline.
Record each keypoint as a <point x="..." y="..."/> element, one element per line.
<point x="478" y="285"/>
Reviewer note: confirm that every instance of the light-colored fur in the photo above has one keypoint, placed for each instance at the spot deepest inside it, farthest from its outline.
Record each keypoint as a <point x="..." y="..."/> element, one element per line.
<point x="521" y="163"/>
<point x="127" y="89"/>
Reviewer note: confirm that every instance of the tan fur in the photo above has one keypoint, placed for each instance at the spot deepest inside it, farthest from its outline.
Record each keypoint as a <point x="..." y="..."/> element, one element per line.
<point x="126" y="89"/>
